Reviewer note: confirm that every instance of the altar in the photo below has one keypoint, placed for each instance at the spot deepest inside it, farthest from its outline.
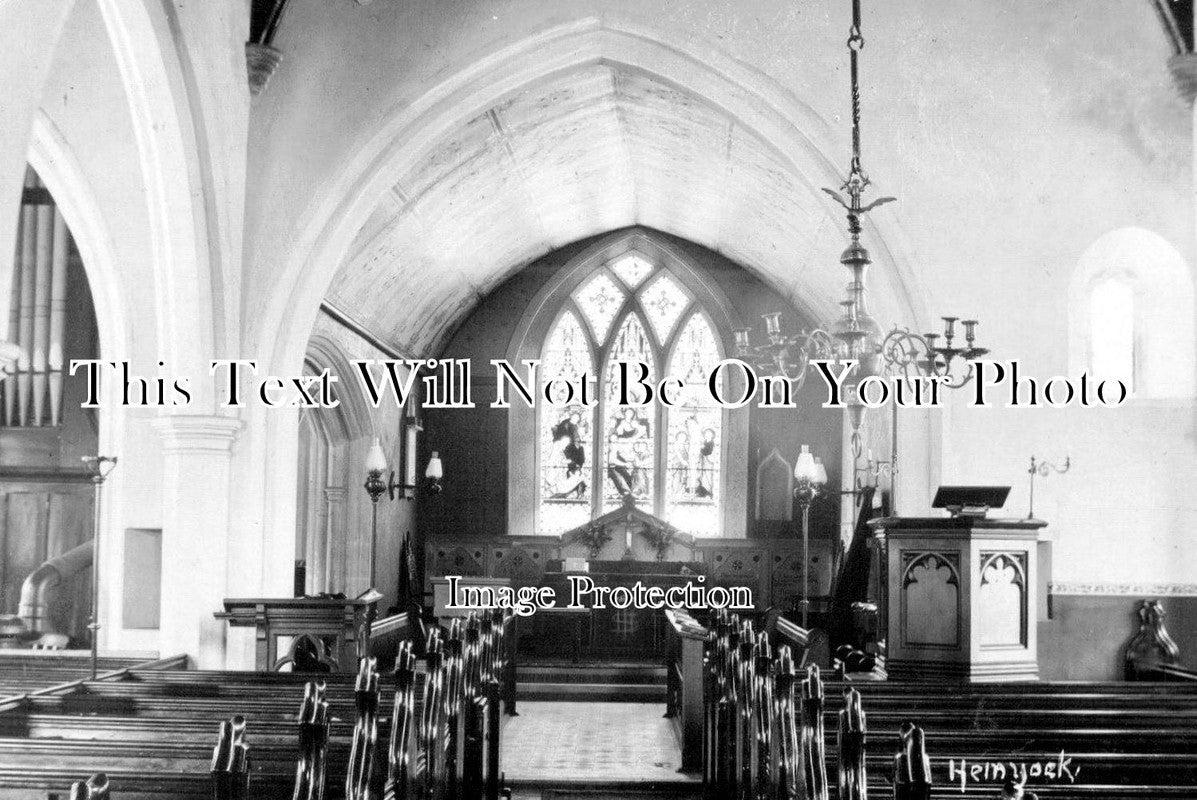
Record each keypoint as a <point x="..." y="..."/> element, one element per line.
<point x="620" y="549"/>
<point x="610" y="633"/>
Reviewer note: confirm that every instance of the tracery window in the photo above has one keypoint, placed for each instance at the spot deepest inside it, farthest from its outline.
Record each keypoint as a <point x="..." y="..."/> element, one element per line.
<point x="595" y="458"/>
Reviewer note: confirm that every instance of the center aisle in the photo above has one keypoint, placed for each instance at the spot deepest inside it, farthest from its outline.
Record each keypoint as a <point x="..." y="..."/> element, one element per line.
<point x="593" y="746"/>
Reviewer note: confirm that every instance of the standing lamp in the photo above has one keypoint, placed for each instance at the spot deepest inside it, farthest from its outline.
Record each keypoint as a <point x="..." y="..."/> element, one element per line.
<point x="100" y="466"/>
<point x="376" y="485"/>
<point x="810" y="476"/>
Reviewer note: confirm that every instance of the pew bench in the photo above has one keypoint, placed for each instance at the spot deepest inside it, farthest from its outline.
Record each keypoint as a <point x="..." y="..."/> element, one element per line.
<point x="153" y="733"/>
<point x="1111" y="741"/>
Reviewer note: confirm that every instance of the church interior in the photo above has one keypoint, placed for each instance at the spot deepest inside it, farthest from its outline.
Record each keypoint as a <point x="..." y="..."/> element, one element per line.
<point x="274" y="274"/>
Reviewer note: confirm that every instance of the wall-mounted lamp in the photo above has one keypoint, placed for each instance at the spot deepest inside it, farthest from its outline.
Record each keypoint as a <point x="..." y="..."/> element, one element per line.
<point x="376" y="465"/>
<point x="1043" y="469"/>
<point x="376" y="485"/>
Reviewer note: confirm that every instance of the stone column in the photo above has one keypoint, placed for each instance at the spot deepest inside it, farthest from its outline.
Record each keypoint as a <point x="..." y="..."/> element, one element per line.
<point x="196" y="487"/>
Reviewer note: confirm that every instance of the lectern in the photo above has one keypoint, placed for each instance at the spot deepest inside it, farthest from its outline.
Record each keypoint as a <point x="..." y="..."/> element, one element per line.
<point x="342" y="622"/>
<point x="962" y="597"/>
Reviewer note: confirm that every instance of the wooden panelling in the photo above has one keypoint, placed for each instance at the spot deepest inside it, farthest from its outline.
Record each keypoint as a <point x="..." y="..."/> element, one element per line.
<point x="25" y="539"/>
<point x="142" y="587"/>
<point x="772" y="568"/>
<point x="38" y="522"/>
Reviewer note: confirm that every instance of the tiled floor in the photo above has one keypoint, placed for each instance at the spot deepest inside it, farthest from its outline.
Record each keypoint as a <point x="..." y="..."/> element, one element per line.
<point x="564" y="743"/>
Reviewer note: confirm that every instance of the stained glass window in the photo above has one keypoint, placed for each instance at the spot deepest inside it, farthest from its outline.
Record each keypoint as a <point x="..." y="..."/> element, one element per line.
<point x="628" y="430"/>
<point x="664" y="301"/>
<point x="600" y="300"/>
<point x="694" y="448"/>
<point x="594" y="459"/>
<point x="565" y="431"/>
<point x="632" y="270"/>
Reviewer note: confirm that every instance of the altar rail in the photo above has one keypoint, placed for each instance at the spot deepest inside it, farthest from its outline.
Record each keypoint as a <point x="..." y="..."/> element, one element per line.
<point x="772" y="569"/>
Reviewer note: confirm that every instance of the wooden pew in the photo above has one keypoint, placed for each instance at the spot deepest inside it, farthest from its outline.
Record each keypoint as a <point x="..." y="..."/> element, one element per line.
<point x="26" y="671"/>
<point x="399" y="750"/>
<point x="809" y="645"/>
<point x="852" y="780"/>
<point x="684" y="678"/>
<point x="230" y="762"/>
<point x="360" y="773"/>
<point x="313" y="723"/>
<point x="158" y="744"/>
<point x="912" y="766"/>
<point x="388" y="634"/>
<point x="94" y="788"/>
<point x="1130" y="740"/>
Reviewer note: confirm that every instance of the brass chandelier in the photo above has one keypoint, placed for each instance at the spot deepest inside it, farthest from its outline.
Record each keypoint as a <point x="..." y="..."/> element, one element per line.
<point x="856" y="335"/>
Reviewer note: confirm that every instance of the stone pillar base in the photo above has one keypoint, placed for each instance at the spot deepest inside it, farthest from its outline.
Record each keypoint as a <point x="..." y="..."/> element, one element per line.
<point x="196" y="475"/>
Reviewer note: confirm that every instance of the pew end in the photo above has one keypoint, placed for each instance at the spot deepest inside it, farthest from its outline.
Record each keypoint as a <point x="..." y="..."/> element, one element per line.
<point x="94" y="788"/>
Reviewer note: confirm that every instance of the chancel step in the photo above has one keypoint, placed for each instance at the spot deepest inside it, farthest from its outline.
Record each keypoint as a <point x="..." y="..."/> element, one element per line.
<point x="612" y="790"/>
<point x="591" y="682"/>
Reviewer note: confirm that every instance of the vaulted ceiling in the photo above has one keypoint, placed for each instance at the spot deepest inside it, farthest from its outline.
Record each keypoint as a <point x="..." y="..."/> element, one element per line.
<point x="593" y="151"/>
<point x="1013" y="138"/>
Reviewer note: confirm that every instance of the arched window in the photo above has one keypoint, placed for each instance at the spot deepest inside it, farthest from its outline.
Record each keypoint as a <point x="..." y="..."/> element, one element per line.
<point x="630" y="320"/>
<point x="1112" y="331"/>
<point x="1131" y="315"/>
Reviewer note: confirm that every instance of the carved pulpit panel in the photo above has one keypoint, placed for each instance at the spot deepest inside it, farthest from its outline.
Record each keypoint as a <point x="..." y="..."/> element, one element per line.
<point x="931" y="599"/>
<point x="1002" y="599"/>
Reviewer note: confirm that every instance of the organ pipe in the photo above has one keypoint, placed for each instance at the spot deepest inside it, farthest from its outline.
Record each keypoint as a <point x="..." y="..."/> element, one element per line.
<point x="33" y="394"/>
<point x="14" y="328"/>
<point x="41" y="311"/>
<point x="25" y="335"/>
<point x="58" y="309"/>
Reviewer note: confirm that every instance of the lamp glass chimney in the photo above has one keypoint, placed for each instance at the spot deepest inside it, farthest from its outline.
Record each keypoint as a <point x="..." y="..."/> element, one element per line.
<point x="820" y="472"/>
<point x="804" y="467"/>
<point x="376" y="460"/>
<point x="435" y="470"/>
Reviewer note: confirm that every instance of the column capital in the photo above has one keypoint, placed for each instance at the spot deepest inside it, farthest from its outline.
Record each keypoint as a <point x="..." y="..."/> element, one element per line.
<point x="196" y="433"/>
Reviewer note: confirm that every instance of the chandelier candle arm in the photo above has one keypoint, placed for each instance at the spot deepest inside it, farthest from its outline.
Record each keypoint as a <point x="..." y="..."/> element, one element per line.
<point x="856" y="334"/>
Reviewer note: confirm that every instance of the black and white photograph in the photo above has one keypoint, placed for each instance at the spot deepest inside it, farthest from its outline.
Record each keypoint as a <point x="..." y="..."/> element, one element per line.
<point x="598" y="399"/>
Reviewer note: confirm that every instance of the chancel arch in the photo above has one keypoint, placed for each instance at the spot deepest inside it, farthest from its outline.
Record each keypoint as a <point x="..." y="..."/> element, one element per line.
<point x="503" y="459"/>
<point x="386" y="203"/>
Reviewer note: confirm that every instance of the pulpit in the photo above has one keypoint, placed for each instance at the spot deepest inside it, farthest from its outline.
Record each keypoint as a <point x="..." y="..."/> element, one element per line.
<point x="962" y="597"/>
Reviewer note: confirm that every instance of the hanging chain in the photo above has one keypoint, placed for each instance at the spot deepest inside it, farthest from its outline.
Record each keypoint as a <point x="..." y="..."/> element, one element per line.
<point x="854" y="185"/>
<point x="857" y="179"/>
